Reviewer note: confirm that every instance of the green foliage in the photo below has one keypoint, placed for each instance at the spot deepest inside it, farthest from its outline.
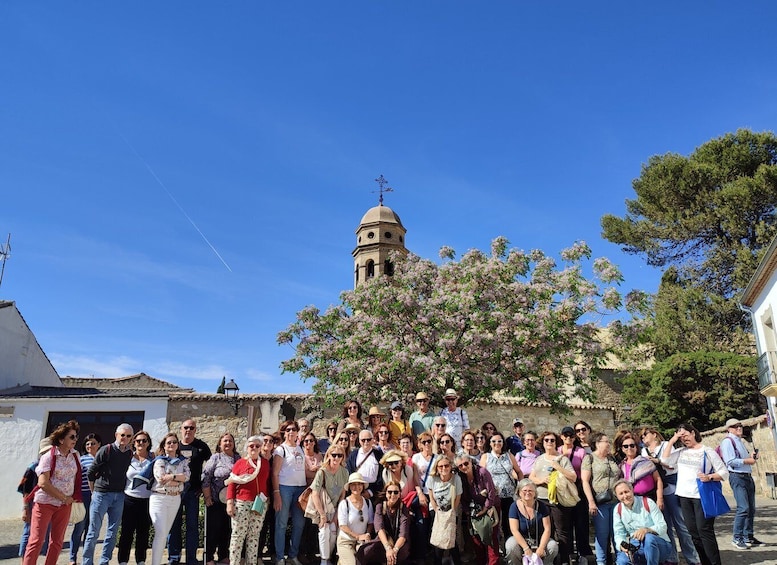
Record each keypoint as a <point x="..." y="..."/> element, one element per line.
<point x="509" y="321"/>
<point x="704" y="388"/>
<point x="711" y="214"/>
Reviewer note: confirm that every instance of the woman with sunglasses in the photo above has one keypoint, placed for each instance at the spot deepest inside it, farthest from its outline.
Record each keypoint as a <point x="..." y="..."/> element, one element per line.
<point x="352" y="433"/>
<point x="446" y="446"/>
<point x="653" y="445"/>
<point x="383" y="438"/>
<point x="641" y="472"/>
<point x="246" y="483"/>
<point x="445" y="490"/>
<point x="313" y="461"/>
<point x="488" y="430"/>
<point x="267" y="536"/>
<point x="343" y="440"/>
<point x="288" y="477"/>
<point x="92" y="444"/>
<point x="392" y="526"/>
<point x="480" y="504"/>
<point x="351" y="416"/>
<point x="422" y="466"/>
<point x="572" y="449"/>
<point x="325" y="443"/>
<point x="505" y="473"/>
<point x="59" y="485"/>
<point x="326" y="488"/>
<point x="560" y="516"/>
<point x="397" y="469"/>
<point x="355" y="517"/>
<point x="214" y="490"/>
<point x="135" y="520"/>
<point x="406" y="445"/>
<point x="468" y="446"/>
<point x="582" y="433"/>
<point x="481" y="443"/>
<point x="171" y="472"/>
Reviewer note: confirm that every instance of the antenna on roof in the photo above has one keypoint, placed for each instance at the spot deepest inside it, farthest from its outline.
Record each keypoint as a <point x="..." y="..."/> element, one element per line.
<point x="5" y="253"/>
<point x="382" y="182"/>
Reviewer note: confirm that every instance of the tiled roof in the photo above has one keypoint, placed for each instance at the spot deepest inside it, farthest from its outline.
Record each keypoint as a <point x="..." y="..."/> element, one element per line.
<point x="133" y="382"/>
<point x="26" y="391"/>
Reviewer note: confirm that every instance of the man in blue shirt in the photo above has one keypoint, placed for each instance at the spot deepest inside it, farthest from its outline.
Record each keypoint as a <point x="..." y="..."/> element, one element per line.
<point x="514" y="444"/>
<point x="637" y="522"/>
<point x="739" y="464"/>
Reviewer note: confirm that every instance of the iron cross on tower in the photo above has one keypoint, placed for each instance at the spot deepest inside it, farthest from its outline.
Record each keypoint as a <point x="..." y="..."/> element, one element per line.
<point x="382" y="182"/>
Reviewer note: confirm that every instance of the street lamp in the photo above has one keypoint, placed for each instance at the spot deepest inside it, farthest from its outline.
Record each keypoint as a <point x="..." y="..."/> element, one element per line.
<point x="231" y="391"/>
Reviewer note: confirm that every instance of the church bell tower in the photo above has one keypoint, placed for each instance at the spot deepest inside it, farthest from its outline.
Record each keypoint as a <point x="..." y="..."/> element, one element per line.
<point x="380" y="232"/>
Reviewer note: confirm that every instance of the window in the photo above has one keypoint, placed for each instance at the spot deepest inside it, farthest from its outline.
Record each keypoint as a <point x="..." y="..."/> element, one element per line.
<point x="370" y="269"/>
<point x="388" y="268"/>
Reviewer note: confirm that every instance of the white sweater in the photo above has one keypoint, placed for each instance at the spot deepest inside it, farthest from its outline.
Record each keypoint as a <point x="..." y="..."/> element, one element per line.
<point x="688" y="462"/>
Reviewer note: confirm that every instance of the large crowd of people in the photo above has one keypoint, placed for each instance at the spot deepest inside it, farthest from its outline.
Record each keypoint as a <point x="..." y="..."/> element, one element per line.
<point x="402" y="488"/>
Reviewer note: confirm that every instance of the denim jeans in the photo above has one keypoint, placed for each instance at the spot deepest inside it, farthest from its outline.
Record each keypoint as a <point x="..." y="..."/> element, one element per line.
<point x="289" y="497"/>
<point x="675" y="523"/>
<point x="603" y="534"/>
<point x="655" y="549"/>
<point x="744" y="493"/>
<point x="77" y="537"/>
<point x="112" y="504"/>
<point x="190" y="504"/>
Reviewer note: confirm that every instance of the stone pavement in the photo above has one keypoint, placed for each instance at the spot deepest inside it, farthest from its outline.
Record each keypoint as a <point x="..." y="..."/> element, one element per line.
<point x="765" y="530"/>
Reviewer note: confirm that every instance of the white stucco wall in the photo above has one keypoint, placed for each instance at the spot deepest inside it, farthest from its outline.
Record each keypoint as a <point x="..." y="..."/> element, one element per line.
<point x="20" y="434"/>
<point x="23" y="361"/>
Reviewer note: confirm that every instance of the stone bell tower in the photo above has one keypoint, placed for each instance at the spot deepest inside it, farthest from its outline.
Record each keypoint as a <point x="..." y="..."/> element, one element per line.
<point x="380" y="232"/>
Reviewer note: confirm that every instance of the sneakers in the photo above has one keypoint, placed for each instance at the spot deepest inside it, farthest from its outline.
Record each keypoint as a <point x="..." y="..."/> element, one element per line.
<point x="739" y="544"/>
<point x="753" y="541"/>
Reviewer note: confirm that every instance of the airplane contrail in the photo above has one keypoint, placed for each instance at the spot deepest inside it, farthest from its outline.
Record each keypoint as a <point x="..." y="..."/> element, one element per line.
<point x="159" y="181"/>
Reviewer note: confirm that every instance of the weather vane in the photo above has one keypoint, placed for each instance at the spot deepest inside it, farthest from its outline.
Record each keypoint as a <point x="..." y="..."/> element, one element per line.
<point x="5" y="253"/>
<point x="382" y="182"/>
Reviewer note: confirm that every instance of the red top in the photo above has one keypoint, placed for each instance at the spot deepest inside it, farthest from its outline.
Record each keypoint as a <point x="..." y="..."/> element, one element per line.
<point x="251" y="489"/>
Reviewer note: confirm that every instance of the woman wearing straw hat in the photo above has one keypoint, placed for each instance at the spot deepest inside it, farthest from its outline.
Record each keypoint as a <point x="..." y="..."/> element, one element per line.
<point x="355" y="515"/>
<point x="396" y="468"/>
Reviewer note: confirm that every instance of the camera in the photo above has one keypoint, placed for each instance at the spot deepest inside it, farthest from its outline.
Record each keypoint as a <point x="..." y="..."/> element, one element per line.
<point x="629" y="547"/>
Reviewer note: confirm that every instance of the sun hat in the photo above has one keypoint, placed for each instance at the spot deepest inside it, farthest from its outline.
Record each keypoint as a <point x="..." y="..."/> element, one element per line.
<point x="393" y="455"/>
<point x="731" y="422"/>
<point x="375" y="411"/>
<point x="450" y="393"/>
<point x="351" y="427"/>
<point x="421" y="396"/>
<point x="44" y="446"/>
<point x="355" y="477"/>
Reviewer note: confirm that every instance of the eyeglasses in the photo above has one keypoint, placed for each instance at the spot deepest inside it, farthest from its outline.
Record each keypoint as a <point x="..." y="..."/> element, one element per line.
<point x="383" y="433"/>
<point x="444" y="466"/>
<point x="497" y="441"/>
<point x="392" y="492"/>
<point x="361" y="515"/>
<point x="629" y="445"/>
<point x="342" y="440"/>
<point x="463" y="464"/>
<point x="421" y="401"/>
<point x="365" y="439"/>
<point x="568" y="434"/>
<point x="445" y="441"/>
<point x="172" y="442"/>
<point x="352" y="432"/>
<point x="490" y="428"/>
<point x="529" y="439"/>
<point x="736" y="426"/>
<point x="353" y="407"/>
<point x="267" y="440"/>
<point x="120" y="435"/>
<point x="549" y="440"/>
<point x="253" y="446"/>
<point x="579" y="430"/>
<point x="292" y="430"/>
<point x="331" y="429"/>
<point x="426" y="442"/>
<point x="441" y="425"/>
<point x="392" y="463"/>
<point x="189" y="427"/>
<point x="480" y="438"/>
<point x="308" y="441"/>
<point x="337" y="455"/>
<point x="75" y="436"/>
<point x="141" y="440"/>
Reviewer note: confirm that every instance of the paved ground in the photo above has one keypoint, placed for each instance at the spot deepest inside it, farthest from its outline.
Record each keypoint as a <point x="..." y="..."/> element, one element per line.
<point x="766" y="531"/>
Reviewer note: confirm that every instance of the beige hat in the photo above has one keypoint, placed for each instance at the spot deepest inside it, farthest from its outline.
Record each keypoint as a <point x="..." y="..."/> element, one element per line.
<point x="375" y="411"/>
<point x="421" y="396"/>
<point x="451" y="393"/>
<point x="731" y="422"/>
<point x="355" y="478"/>
<point x="351" y="427"/>
<point x="393" y="455"/>
<point x="44" y="446"/>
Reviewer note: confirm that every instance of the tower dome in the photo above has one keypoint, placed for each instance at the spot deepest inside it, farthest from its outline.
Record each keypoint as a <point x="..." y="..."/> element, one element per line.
<point x="380" y="232"/>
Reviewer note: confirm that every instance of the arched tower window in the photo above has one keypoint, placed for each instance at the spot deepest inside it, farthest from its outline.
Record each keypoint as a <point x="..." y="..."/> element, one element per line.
<point x="388" y="268"/>
<point x="356" y="274"/>
<point x="370" y="269"/>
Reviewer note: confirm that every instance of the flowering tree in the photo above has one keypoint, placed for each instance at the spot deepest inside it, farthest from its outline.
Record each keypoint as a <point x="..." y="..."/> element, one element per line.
<point x="509" y="322"/>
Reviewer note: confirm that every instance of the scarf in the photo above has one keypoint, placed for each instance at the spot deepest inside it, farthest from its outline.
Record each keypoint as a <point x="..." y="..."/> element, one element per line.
<point x="246" y="478"/>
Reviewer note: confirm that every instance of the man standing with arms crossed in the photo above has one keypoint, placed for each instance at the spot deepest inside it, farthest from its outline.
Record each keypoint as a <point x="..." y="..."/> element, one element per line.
<point x="107" y="478"/>
<point x="197" y="453"/>
<point x="739" y="464"/>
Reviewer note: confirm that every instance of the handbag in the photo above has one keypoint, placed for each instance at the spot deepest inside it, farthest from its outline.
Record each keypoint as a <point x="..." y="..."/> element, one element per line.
<point x="566" y="492"/>
<point x="304" y="499"/>
<point x="532" y="559"/>
<point x="606" y="496"/>
<point x="444" y="529"/>
<point x="77" y="513"/>
<point x="711" y="493"/>
<point x="260" y="503"/>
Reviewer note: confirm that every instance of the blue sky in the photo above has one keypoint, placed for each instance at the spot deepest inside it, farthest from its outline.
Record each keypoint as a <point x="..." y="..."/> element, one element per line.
<point x="265" y="123"/>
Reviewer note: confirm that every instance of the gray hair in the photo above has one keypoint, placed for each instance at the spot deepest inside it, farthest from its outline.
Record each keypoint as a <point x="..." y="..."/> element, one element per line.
<point x="523" y="483"/>
<point x="254" y="438"/>
<point x="620" y="482"/>
<point x="124" y="426"/>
